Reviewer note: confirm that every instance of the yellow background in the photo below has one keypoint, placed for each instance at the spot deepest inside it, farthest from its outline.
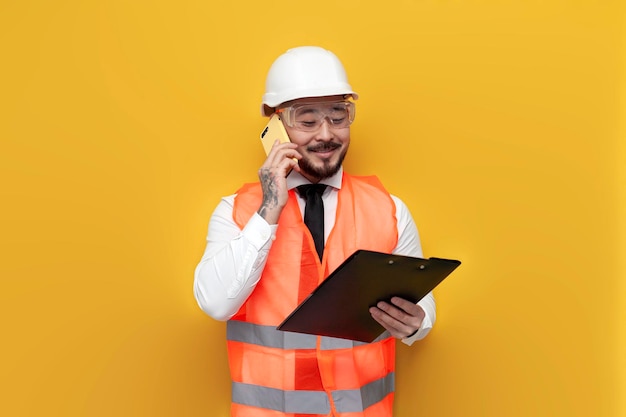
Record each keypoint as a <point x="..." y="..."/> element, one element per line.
<point x="500" y="124"/>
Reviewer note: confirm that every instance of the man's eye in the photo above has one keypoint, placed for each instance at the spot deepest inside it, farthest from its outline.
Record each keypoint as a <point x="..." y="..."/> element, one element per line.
<point x="336" y="113"/>
<point x="307" y="123"/>
<point x="338" y="120"/>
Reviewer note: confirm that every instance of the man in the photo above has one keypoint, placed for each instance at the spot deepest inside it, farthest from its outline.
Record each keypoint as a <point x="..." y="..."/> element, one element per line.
<point x="261" y="260"/>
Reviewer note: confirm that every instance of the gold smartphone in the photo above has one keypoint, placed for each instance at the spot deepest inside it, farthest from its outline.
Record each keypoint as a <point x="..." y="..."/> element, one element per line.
<point x="272" y="131"/>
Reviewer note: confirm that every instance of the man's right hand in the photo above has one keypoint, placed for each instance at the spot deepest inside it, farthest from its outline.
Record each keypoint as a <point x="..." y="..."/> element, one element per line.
<point x="272" y="174"/>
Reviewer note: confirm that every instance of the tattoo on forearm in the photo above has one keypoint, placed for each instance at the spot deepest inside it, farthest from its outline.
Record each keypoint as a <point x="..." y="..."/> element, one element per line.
<point x="270" y="193"/>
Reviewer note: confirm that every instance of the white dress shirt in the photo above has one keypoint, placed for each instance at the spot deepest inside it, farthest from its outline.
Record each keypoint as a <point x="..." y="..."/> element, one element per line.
<point x="234" y="259"/>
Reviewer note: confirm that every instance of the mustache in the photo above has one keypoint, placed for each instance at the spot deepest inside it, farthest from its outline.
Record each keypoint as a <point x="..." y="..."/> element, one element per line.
<point x="322" y="147"/>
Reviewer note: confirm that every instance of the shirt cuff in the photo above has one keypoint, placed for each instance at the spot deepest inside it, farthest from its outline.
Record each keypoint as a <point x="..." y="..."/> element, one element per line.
<point x="421" y="332"/>
<point x="258" y="232"/>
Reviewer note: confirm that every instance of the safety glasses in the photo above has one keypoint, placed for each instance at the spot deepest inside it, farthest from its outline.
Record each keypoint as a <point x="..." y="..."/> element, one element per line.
<point x="308" y="117"/>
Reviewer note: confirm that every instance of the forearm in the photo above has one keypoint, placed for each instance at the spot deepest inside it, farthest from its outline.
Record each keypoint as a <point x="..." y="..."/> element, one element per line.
<point x="232" y="262"/>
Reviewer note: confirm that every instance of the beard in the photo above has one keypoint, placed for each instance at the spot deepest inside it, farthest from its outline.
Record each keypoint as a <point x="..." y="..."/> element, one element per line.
<point x="328" y="167"/>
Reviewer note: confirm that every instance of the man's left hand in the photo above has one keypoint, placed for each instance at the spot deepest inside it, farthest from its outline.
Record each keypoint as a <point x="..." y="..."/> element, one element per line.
<point x="401" y="318"/>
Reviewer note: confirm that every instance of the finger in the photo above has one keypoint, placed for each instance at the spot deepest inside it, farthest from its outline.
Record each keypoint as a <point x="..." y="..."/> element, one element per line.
<point x="395" y="327"/>
<point x="278" y="147"/>
<point x="398" y="333"/>
<point x="407" y="306"/>
<point x="280" y="153"/>
<point x="399" y="319"/>
<point x="393" y="311"/>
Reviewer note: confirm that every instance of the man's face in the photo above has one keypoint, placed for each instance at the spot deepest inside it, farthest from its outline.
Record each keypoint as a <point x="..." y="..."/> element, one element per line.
<point x="323" y="149"/>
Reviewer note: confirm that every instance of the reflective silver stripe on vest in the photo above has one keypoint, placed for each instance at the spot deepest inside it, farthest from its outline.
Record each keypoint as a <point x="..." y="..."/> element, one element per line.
<point x="255" y="334"/>
<point x="304" y="402"/>
<point x="269" y="336"/>
<point x="329" y="343"/>
<point x="313" y="402"/>
<point x="354" y="401"/>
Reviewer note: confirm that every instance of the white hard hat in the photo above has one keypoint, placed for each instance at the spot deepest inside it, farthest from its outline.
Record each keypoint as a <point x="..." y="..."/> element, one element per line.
<point x="306" y="71"/>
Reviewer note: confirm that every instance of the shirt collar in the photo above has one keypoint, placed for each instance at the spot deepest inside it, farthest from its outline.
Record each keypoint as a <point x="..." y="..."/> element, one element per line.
<point x="295" y="179"/>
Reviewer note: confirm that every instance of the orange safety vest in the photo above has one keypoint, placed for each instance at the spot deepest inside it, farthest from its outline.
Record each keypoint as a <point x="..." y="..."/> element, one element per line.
<point x="278" y="374"/>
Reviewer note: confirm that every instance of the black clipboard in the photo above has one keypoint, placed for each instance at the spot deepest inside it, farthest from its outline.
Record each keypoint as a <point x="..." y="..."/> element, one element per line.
<point x="339" y="306"/>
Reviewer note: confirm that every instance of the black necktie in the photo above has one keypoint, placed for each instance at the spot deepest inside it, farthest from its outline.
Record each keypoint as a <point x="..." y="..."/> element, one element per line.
<point x="314" y="213"/>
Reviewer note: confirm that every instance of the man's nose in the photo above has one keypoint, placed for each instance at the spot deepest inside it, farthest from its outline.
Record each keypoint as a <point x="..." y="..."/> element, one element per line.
<point x="324" y="132"/>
